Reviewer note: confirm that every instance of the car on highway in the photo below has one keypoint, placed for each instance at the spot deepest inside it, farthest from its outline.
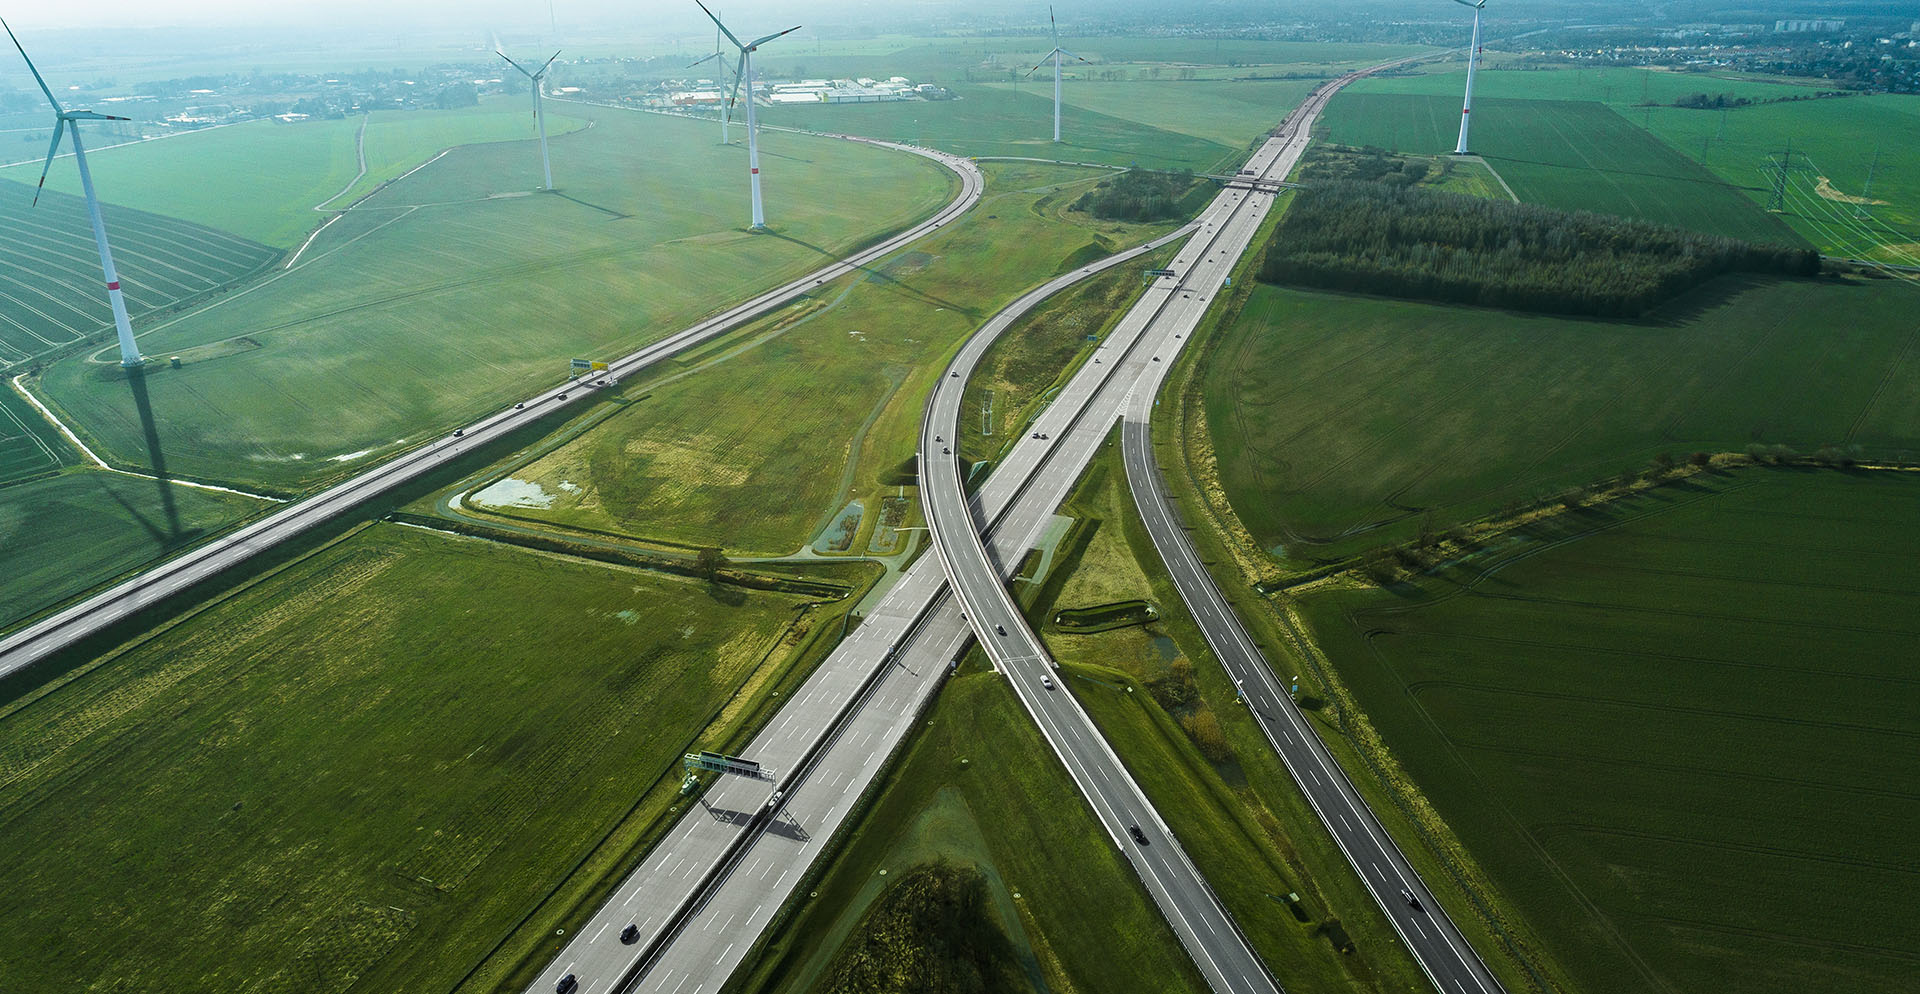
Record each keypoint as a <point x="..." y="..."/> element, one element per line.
<point x="457" y="432"/>
<point x="1046" y="681"/>
<point x="1138" y="836"/>
<point x="630" y="934"/>
<point x="1002" y="629"/>
<point x="566" y="985"/>
<point x="520" y="406"/>
<point x="1407" y="896"/>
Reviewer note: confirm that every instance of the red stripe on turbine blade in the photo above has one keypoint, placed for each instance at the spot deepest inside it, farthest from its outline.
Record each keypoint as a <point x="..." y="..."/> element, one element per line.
<point x="756" y="170"/>
<point x="115" y="285"/>
<point x="1465" y="111"/>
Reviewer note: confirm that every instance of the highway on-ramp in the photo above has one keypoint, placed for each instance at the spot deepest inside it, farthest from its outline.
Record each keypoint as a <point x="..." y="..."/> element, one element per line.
<point x="41" y="638"/>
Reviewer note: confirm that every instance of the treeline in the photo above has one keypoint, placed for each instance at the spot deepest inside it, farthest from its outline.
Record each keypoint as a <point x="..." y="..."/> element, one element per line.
<point x="1724" y="101"/>
<point x="932" y="932"/>
<point x="1374" y="238"/>
<point x="1138" y="195"/>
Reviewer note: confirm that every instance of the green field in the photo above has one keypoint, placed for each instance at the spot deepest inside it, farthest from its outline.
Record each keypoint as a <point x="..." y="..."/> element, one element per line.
<point x="1574" y="155"/>
<point x="1003" y="803"/>
<point x="373" y="765"/>
<point x="1836" y="138"/>
<point x="837" y="383"/>
<point x="261" y="180"/>
<point x="29" y="446"/>
<point x="1202" y="760"/>
<point x="1231" y="113"/>
<point x="67" y="533"/>
<point x="1677" y="730"/>
<point x="455" y="291"/>
<point x="51" y="291"/>
<point x="987" y="120"/>
<point x="1343" y="423"/>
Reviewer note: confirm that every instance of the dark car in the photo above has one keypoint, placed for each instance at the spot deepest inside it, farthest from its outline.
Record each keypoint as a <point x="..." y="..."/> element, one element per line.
<point x="955" y="374"/>
<point x="563" y="396"/>
<point x="1138" y="836"/>
<point x="457" y="432"/>
<point x="566" y="985"/>
<point x="1002" y="629"/>
<point x="520" y="407"/>
<point x="1407" y="896"/>
<point x="630" y="934"/>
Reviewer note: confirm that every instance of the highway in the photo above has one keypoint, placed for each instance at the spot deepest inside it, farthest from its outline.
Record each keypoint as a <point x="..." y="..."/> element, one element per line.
<point x="978" y="578"/>
<point x="701" y="897"/>
<point x="49" y="634"/>
<point x="1423" y="924"/>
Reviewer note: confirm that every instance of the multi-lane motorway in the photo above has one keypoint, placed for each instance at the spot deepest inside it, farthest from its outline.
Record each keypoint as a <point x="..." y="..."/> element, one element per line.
<point x="978" y="580"/>
<point x="1423" y="924"/>
<point x="48" y="635"/>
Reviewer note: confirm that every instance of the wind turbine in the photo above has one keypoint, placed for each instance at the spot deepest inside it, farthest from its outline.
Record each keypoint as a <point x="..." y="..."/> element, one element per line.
<point x="1055" y="56"/>
<point x="726" y="101"/>
<point x="129" y="352"/>
<point x="1473" y="58"/>
<point x="539" y="112"/>
<point x="753" y="125"/>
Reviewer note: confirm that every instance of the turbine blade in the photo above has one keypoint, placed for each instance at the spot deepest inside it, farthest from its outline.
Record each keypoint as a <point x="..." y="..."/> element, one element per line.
<point x="30" y="66"/>
<point x="722" y="27"/>
<point x="516" y="65"/>
<point x="709" y="58"/>
<point x="762" y="41"/>
<point x="1053" y="25"/>
<point x="58" y="130"/>
<point x="1042" y="62"/>
<point x="89" y="115"/>
<point x="546" y="65"/>
<point x="1070" y="54"/>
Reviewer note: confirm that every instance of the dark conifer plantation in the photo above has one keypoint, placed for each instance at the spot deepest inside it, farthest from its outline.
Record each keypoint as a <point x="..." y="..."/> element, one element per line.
<point x="1376" y="238"/>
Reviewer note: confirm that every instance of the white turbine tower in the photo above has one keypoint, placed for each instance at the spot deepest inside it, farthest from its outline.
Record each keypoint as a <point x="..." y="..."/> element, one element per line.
<point x="726" y="100"/>
<point x="1055" y="56"/>
<point x="539" y="112"/>
<point x="753" y="125"/>
<point x="1473" y="59"/>
<point x="129" y="352"/>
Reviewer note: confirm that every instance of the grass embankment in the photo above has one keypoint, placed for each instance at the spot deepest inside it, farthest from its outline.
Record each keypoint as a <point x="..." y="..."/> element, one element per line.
<point x="795" y="415"/>
<point x="456" y="291"/>
<point x="1168" y="709"/>
<point x="1569" y="154"/>
<point x="1020" y="372"/>
<point x="1393" y="415"/>
<point x="1073" y="910"/>
<point x="1675" y="729"/>
<point x="262" y="179"/>
<point x="383" y="763"/>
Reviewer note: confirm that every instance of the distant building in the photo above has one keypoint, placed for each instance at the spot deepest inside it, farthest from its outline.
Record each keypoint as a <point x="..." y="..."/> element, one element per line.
<point x="1805" y="27"/>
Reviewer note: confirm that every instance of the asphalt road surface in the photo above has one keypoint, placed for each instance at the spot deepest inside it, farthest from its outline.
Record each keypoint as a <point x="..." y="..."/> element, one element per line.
<point x="48" y="635"/>
<point x="1434" y="940"/>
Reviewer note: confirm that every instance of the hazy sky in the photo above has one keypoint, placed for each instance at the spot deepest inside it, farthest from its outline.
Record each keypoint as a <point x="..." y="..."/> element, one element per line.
<point x="663" y="14"/>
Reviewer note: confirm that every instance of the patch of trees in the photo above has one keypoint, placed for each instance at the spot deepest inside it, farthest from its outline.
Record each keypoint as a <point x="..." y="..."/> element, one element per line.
<point x="1369" y="164"/>
<point x="932" y="932"/>
<point x="1138" y="195"/>
<point x="456" y="96"/>
<point x="1718" y="101"/>
<point x="1375" y="238"/>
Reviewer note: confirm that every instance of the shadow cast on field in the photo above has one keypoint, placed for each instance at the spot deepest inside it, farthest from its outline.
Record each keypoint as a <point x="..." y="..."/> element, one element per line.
<point x="880" y="277"/>
<point x="610" y="212"/>
<point x="156" y="458"/>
